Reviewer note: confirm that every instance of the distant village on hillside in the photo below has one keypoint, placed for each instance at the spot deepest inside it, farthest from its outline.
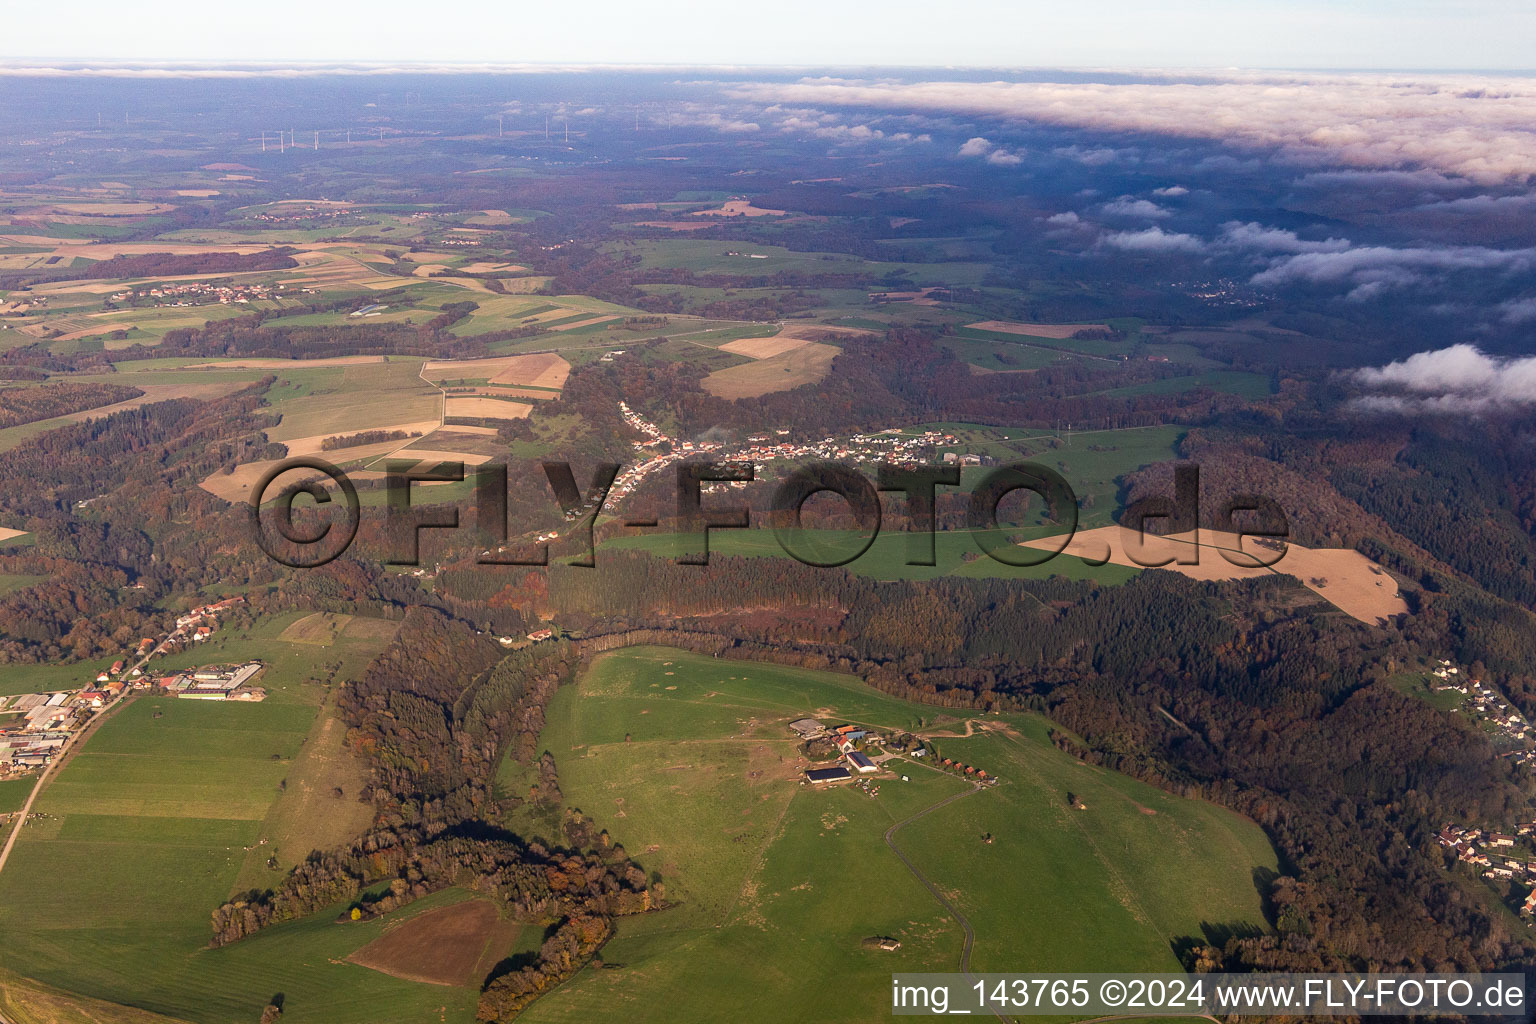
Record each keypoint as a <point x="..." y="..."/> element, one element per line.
<point x="1494" y="852"/>
<point x="35" y="728"/>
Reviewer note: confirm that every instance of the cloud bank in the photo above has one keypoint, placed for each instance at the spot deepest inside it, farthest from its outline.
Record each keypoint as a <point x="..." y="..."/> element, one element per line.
<point x="1458" y="380"/>
<point x="1476" y="127"/>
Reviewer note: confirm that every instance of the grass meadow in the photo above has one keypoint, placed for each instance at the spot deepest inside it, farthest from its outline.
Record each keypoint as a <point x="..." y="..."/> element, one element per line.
<point x="687" y="762"/>
<point x="162" y="816"/>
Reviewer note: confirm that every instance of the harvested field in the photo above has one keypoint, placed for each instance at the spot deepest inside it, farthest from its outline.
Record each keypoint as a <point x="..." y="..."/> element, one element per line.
<point x="438" y="947"/>
<point x="264" y="363"/>
<point x="366" y="627"/>
<point x="804" y="364"/>
<point x="443" y="455"/>
<point x="106" y="250"/>
<point x="1343" y="577"/>
<point x="540" y="370"/>
<point x="591" y="321"/>
<point x="763" y="348"/>
<point x="787" y="340"/>
<point x="6" y="533"/>
<point x="491" y="268"/>
<point x="487" y="409"/>
<point x="319" y="628"/>
<point x="740" y="208"/>
<point x="325" y="269"/>
<point x="236" y="487"/>
<point x="466" y="369"/>
<point x="1058" y="331"/>
<point x="324" y="628"/>
<point x="313" y="445"/>
<point x="197" y="193"/>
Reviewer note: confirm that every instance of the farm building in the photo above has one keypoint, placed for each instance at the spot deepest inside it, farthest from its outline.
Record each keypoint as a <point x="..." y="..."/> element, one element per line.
<point x="806" y="727"/>
<point x="860" y="762"/>
<point x="823" y="775"/>
<point x="213" y="683"/>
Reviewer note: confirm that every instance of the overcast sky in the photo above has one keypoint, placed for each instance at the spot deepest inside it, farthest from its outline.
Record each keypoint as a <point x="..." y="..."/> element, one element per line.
<point x="1428" y="34"/>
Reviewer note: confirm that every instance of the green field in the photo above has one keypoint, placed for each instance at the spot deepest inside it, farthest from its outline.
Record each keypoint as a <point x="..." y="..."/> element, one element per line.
<point x="16" y="581"/>
<point x="368" y="395"/>
<point x="1417" y="684"/>
<point x="686" y="761"/>
<point x="21" y="678"/>
<point x="1233" y="382"/>
<point x="955" y="553"/>
<point x="162" y="816"/>
<point x="13" y="793"/>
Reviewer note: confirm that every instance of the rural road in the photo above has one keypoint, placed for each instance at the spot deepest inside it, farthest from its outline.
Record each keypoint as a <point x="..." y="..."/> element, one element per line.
<point x="954" y="911"/>
<point x="73" y="743"/>
<point x="48" y="772"/>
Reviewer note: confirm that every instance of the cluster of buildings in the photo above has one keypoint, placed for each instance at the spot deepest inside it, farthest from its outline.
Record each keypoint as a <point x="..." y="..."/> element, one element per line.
<point x="1492" y="852"/>
<point x="1490" y="706"/>
<point x="978" y="774"/>
<point x="216" y="682"/>
<point x="535" y="637"/>
<point x="1495" y="853"/>
<point x="846" y="738"/>
<point x="195" y="293"/>
<point x="34" y="727"/>
<point x="894" y="445"/>
<point x="204" y="619"/>
<point x="305" y="213"/>
<point x="1223" y="293"/>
